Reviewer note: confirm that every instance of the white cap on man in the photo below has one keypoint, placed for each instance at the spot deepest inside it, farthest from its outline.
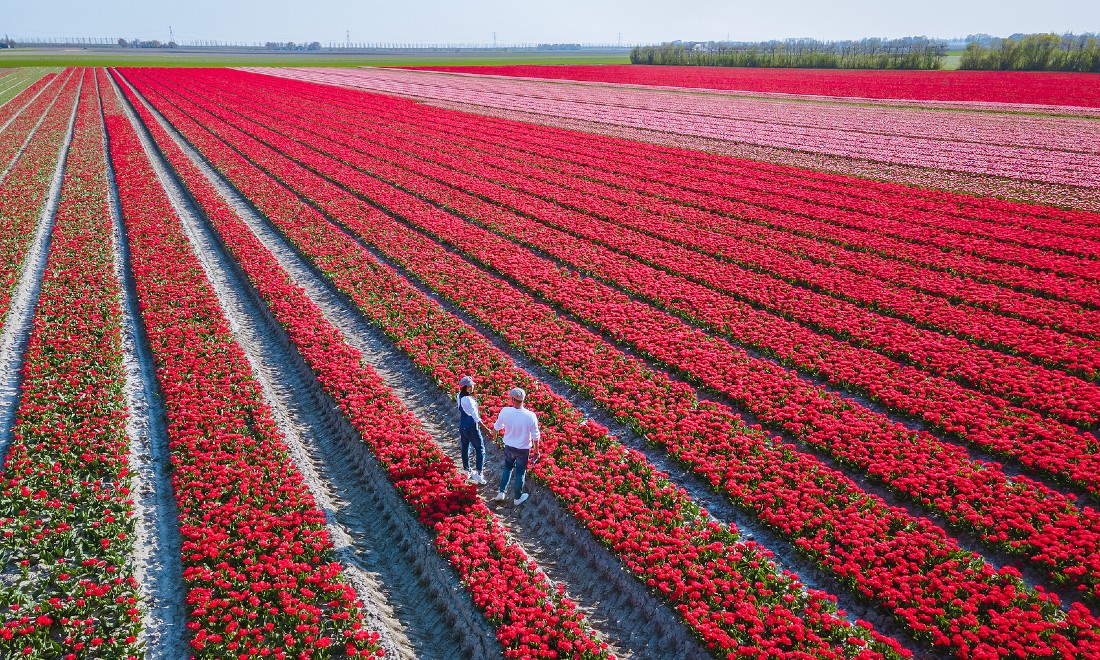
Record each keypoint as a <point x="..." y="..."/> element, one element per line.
<point x="517" y="393"/>
<point x="466" y="381"/>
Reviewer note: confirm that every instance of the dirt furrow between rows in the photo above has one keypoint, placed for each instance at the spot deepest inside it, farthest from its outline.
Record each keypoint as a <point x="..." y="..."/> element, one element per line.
<point x="410" y="595"/>
<point x="636" y="623"/>
<point x="24" y="300"/>
<point x="158" y="559"/>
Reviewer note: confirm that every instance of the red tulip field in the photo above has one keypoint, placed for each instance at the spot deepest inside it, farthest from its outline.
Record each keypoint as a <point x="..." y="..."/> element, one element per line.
<point x="815" y="358"/>
<point x="1014" y="87"/>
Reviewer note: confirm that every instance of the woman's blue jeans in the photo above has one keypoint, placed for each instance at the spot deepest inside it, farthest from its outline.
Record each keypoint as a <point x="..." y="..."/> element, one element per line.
<point x="471" y="437"/>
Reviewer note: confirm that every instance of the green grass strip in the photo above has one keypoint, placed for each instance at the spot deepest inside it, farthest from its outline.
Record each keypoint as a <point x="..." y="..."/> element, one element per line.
<point x="147" y="57"/>
<point x="14" y="83"/>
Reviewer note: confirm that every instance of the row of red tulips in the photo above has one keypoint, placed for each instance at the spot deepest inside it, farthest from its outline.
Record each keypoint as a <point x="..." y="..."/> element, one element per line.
<point x="66" y="513"/>
<point x="23" y="192"/>
<point x="469" y="90"/>
<point x="728" y="591"/>
<point x="668" y="201"/>
<point x="257" y="559"/>
<point x="975" y="146"/>
<point x="1078" y="355"/>
<point x="970" y="145"/>
<point x="988" y="421"/>
<point x="529" y="616"/>
<point x="980" y="490"/>
<point x="695" y="432"/>
<point x="722" y="184"/>
<point x="1022" y="382"/>
<point x="820" y="195"/>
<point x="979" y="87"/>
<point x="854" y="190"/>
<point x="1005" y="512"/>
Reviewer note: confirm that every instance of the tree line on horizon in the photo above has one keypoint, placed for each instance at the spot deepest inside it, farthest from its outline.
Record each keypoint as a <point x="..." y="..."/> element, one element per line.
<point x="1035" y="52"/>
<point x="905" y="53"/>
<point x="1019" y="52"/>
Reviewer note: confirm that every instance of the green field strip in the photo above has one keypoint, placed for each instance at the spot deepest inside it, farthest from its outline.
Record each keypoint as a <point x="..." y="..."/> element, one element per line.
<point x="14" y="83"/>
<point x="140" y="57"/>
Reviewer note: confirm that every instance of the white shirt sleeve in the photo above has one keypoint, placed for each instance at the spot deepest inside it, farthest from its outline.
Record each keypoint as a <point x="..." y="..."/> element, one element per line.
<point x="469" y="405"/>
<point x="499" y="424"/>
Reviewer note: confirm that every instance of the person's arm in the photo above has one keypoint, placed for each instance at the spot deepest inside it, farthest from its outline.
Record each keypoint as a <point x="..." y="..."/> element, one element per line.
<point x="475" y="412"/>
<point x="498" y="425"/>
<point x="536" y="435"/>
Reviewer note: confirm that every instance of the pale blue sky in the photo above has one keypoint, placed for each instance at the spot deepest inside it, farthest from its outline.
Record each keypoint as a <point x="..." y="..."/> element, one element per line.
<point x="426" y="21"/>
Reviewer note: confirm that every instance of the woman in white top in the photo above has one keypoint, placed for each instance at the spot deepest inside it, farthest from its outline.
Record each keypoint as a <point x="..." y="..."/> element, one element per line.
<point x="469" y="429"/>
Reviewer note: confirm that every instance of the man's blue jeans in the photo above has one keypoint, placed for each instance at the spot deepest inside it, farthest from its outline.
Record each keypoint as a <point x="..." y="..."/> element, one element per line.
<point x="514" y="459"/>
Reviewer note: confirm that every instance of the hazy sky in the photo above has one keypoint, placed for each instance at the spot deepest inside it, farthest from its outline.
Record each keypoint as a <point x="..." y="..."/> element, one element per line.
<point x="428" y="21"/>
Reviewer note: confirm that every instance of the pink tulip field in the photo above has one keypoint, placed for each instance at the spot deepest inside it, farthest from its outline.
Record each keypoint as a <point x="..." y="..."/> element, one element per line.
<point x="815" y="358"/>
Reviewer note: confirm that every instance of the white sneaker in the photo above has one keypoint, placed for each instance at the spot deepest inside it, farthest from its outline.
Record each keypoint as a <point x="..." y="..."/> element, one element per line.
<point x="479" y="478"/>
<point x="470" y="475"/>
<point x="521" y="500"/>
<point x="499" y="497"/>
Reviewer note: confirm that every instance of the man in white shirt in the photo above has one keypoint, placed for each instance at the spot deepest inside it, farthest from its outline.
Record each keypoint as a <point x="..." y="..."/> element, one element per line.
<point x="521" y="440"/>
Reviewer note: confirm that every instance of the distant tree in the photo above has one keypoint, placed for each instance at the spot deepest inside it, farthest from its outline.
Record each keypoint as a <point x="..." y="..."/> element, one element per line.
<point x="906" y="53"/>
<point x="314" y="45"/>
<point x="981" y="38"/>
<point x="1035" y="52"/>
<point x="122" y="42"/>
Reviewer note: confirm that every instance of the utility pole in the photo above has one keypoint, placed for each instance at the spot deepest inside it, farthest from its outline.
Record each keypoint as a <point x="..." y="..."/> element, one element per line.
<point x="494" y="39"/>
<point x="349" y="38"/>
<point x="171" y="36"/>
<point x="620" y="40"/>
